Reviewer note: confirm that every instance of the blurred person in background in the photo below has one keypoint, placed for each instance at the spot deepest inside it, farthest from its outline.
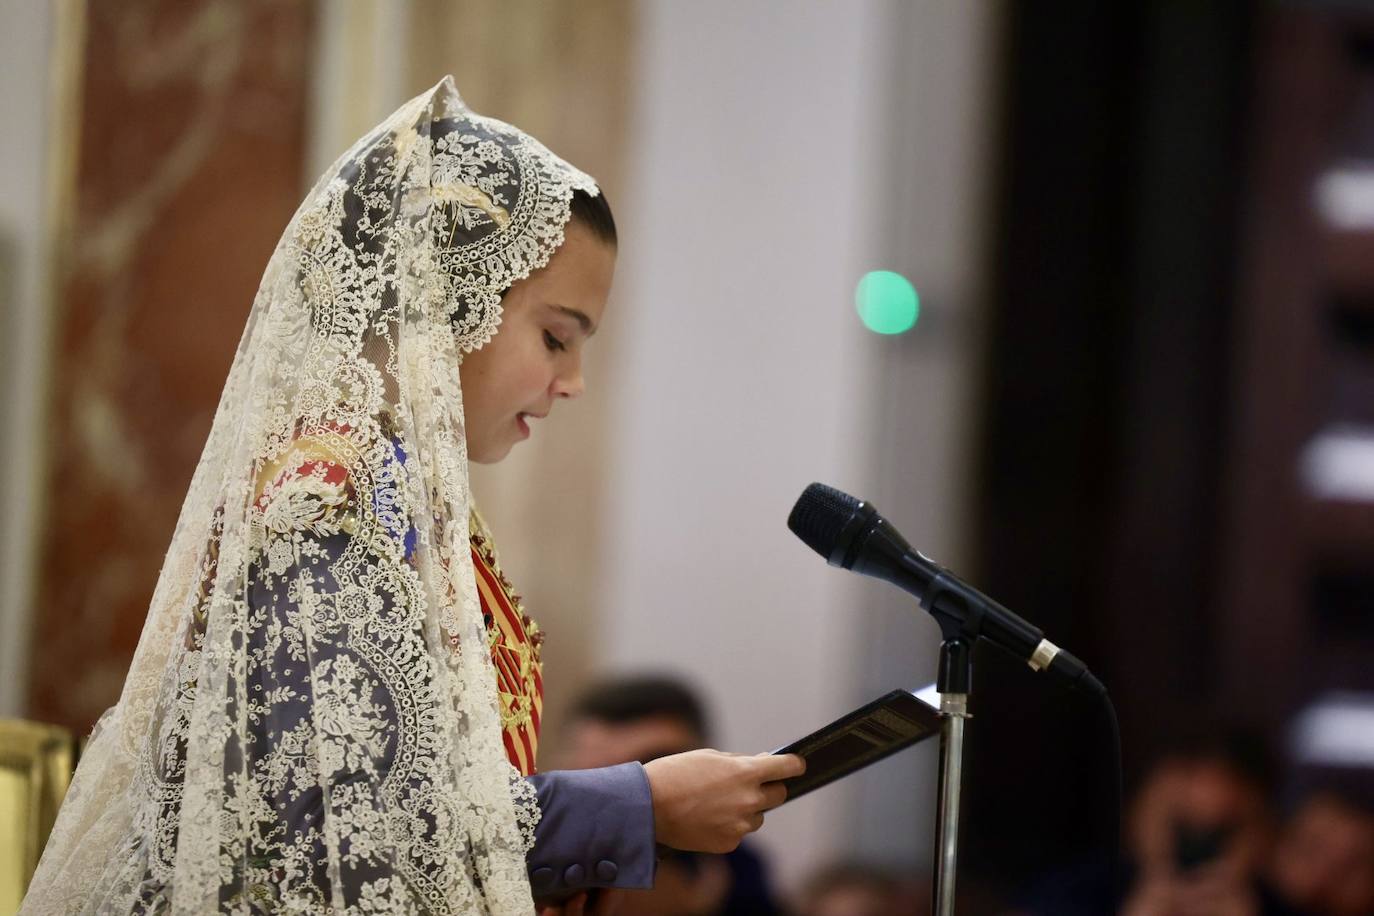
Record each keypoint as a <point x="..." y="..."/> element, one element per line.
<point x="856" y="889"/>
<point x="1198" y="837"/>
<point x="634" y="718"/>
<point x="1323" y="863"/>
<point x="645" y="718"/>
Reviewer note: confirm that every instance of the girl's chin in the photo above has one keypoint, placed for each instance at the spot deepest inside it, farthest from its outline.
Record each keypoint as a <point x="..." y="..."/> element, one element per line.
<point x="488" y="455"/>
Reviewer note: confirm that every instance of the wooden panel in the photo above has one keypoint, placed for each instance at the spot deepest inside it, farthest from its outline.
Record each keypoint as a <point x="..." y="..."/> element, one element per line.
<point x="1275" y="379"/>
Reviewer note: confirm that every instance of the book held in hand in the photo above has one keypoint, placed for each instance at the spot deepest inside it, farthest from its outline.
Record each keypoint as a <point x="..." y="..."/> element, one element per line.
<point x="868" y="734"/>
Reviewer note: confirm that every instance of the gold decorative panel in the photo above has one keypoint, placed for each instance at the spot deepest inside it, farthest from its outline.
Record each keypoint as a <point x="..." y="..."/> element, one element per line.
<point x="36" y="764"/>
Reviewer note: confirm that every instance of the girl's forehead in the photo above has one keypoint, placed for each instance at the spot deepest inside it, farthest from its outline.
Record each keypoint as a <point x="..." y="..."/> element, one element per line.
<point x="575" y="283"/>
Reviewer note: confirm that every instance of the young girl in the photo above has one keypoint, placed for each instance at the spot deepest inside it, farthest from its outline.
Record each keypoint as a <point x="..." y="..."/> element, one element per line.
<point x="334" y="705"/>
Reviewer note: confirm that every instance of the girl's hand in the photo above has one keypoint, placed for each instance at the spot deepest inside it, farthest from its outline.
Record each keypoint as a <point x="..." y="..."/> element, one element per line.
<point x="706" y="801"/>
<point x="573" y="906"/>
<point x="601" y="902"/>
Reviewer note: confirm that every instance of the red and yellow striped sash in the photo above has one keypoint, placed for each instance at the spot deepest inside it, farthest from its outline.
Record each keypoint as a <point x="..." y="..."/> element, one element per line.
<point x="515" y="642"/>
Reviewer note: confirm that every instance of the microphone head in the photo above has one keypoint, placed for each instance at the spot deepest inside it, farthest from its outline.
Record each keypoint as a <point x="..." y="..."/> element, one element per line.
<point x="821" y="516"/>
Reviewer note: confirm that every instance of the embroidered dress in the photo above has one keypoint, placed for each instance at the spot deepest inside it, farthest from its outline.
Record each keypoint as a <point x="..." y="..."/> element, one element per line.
<point x="513" y="637"/>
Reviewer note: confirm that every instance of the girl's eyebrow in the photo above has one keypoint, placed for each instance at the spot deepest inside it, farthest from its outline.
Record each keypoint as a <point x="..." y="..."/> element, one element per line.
<point x="579" y="316"/>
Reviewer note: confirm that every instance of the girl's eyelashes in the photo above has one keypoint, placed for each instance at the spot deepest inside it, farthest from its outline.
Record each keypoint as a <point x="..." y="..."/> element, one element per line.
<point x="553" y="343"/>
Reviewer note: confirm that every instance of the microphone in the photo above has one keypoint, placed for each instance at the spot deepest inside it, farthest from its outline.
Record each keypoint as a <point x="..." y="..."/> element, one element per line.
<point x="851" y="534"/>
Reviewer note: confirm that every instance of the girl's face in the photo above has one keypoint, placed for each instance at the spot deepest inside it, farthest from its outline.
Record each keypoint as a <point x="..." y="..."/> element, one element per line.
<point x="536" y="356"/>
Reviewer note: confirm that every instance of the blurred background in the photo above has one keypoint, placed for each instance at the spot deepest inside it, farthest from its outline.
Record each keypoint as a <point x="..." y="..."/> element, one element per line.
<point x="1137" y="406"/>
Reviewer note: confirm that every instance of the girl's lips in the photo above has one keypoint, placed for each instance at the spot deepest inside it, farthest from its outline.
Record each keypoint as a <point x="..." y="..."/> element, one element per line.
<point x="521" y="420"/>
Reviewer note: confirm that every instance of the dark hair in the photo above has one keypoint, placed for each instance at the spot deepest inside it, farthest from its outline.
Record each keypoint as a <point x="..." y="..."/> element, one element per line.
<point x="594" y="212"/>
<point x="631" y="699"/>
<point x="850" y="875"/>
<point x="1245" y="751"/>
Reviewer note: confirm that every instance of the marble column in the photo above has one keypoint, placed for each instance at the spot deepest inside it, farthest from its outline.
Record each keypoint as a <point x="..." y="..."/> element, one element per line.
<point x="191" y="124"/>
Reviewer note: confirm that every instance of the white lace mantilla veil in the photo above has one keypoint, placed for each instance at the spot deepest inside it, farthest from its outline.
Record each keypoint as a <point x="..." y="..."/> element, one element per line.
<point x="310" y="722"/>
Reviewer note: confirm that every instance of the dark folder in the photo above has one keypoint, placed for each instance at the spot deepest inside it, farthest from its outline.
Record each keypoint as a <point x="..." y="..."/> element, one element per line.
<point x="862" y="737"/>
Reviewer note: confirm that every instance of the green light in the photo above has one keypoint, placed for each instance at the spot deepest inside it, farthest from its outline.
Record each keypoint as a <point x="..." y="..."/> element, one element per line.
<point x="887" y="302"/>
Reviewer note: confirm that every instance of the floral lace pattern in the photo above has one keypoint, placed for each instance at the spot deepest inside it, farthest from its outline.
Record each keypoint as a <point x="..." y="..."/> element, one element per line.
<point x="527" y="813"/>
<point x="305" y="726"/>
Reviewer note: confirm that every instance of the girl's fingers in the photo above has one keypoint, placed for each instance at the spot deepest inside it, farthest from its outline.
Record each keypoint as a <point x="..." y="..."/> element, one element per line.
<point x="608" y="902"/>
<point x="774" y="794"/>
<point x="770" y="767"/>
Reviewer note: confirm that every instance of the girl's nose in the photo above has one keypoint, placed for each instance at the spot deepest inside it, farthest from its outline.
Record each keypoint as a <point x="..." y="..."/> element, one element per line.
<point x="570" y="385"/>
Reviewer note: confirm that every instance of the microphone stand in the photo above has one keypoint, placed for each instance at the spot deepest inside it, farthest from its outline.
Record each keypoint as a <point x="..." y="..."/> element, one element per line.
<point x="961" y="613"/>
<point x="954" y="682"/>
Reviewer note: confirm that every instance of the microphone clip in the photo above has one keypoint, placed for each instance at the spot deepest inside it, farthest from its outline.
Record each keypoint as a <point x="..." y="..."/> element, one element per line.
<point x="961" y="624"/>
<point x="955" y="607"/>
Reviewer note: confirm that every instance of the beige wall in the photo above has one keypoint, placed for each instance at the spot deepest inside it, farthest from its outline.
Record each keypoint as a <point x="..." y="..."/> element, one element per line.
<point x="931" y="206"/>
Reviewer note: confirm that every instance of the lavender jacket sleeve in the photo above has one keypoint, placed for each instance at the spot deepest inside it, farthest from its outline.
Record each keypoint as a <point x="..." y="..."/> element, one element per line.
<point x="596" y="829"/>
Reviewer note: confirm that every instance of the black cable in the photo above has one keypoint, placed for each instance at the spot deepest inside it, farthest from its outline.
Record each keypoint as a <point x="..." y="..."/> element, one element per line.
<point x="1118" y="800"/>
